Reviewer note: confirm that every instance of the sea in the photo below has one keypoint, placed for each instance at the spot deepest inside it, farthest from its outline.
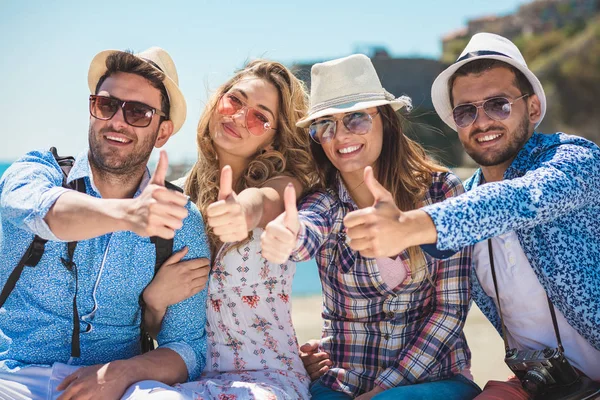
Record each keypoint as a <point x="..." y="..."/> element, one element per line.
<point x="3" y="167"/>
<point x="306" y="281"/>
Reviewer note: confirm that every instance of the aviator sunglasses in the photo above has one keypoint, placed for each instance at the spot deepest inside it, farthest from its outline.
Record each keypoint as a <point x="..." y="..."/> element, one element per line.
<point x="497" y="108"/>
<point x="256" y="122"/>
<point x="358" y="123"/>
<point x="134" y="113"/>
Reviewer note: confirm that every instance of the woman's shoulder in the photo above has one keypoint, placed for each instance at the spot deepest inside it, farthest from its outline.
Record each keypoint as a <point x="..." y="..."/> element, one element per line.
<point x="326" y="199"/>
<point x="444" y="184"/>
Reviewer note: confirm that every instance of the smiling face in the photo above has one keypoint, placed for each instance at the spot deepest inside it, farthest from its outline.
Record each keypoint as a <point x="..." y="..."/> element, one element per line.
<point x="258" y="103"/>
<point x="489" y="142"/>
<point x="117" y="147"/>
<point x="351" y="153"/>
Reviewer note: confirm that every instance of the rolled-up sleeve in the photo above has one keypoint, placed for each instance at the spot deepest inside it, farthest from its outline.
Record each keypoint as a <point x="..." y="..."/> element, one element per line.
<point x="183" y="327"/>
<point x="28" y="189"/>
<point x="316" y="221"/>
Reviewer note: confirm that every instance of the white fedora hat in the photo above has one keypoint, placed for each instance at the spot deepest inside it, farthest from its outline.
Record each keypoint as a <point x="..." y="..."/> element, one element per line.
<point x="160" y="60"/>
<point x="347" y="84"/>
<point x="483" y="46"/>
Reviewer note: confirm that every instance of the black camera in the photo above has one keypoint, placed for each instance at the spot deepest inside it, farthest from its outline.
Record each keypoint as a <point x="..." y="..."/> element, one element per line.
<point x="541" y="370"/>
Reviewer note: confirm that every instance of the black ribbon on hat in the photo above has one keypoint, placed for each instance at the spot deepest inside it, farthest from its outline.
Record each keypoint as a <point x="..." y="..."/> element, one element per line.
<point x="153" y="64"/>
<point x="480" y="53"/>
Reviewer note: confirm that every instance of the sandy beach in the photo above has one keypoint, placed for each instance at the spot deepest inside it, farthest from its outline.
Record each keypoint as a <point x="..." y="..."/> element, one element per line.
<point x="486" y="345"/>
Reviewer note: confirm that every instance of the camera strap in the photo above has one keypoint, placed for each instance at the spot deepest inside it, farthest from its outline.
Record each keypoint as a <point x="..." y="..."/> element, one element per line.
<point x="550" y="305"/>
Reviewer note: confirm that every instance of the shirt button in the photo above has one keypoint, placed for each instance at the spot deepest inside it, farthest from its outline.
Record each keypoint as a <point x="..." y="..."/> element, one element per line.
<point x="507" y="245"/>
<point x="386" y="336"/>
<point x="511" y="259"/>
<point x="391" y="315"/>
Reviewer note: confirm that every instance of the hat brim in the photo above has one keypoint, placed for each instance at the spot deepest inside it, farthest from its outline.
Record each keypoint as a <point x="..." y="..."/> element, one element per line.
<point x="440" y="95"/>
<point x="349" y="107"/>
<point x="178" y="108"/>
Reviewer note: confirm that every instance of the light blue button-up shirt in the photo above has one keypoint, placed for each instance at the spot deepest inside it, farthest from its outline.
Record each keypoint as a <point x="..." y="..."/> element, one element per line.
<point x="36" y="321"/>
<point x="550" y="197"/>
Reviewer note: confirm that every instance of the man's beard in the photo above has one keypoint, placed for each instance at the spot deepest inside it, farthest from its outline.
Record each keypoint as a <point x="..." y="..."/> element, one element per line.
<point x="515" y="142"/>
<point x="109" y="160"/>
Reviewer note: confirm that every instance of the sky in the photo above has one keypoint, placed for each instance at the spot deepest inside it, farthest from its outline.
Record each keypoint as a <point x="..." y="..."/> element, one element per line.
<point x="46" y="47"/>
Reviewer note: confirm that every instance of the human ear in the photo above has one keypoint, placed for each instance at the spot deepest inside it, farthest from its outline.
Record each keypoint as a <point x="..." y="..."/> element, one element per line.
<point x="534" y="109"/>
<point x="165" y="130"/>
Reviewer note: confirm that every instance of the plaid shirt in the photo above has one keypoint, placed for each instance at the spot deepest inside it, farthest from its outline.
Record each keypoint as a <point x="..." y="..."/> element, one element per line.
<point x="375" y="334"/>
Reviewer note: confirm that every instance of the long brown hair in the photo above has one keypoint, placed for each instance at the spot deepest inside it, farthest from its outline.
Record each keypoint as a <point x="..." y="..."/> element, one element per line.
<point x="287" y="154"/>
<point x="403" y="168"/>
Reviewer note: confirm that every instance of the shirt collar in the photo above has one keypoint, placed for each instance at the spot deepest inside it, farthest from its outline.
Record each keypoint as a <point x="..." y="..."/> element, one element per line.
<point x="343" y="192"/>
<point x="522" y="163"/>
<point x="81" y="169"/>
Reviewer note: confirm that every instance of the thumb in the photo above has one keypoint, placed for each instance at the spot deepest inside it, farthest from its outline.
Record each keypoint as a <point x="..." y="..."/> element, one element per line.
<point x="291" y="210"/>
<point x="176" y="257"/>
<point x="378" y="191"/>
<point x="225" y="183"/>
<point x="160" y="173"/>
<point x="310" y="346"/>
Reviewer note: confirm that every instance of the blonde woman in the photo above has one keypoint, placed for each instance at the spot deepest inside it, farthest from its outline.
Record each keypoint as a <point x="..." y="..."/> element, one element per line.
<point x="392" y="322"/>
<point x="249" y="150"/>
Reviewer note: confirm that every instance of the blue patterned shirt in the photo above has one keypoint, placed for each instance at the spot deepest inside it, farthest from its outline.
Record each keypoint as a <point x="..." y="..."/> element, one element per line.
<point x="550" y="197"/>
<point x="36" y="321"/>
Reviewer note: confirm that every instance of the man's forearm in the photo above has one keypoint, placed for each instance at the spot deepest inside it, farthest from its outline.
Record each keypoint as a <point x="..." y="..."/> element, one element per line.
<point x="163" y="365"/>
<point x="77" y="216"/>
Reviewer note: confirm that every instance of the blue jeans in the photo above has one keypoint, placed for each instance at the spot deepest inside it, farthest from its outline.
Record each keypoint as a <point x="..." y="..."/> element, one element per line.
<point x="456" y="388"/>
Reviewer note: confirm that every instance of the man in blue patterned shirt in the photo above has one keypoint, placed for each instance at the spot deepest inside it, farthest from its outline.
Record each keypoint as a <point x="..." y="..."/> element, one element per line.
<point x="535" y="196"/>
<point x="136" y="106"/>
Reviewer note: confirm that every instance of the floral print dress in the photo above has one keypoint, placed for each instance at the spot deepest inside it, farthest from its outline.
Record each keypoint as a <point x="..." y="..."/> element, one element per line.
<point x="252" y="346"/>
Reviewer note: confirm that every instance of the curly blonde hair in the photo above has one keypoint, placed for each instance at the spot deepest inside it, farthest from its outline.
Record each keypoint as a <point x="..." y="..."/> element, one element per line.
<point x="288" y="153"/>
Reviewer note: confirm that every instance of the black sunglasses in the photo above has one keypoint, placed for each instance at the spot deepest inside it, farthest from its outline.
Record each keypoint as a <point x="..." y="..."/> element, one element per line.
<point x="135" y="113"/>
<point x="497" y="108"/>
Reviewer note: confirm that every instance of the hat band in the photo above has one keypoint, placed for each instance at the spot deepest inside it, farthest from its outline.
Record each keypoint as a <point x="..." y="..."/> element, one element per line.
<point x="480" y="53"/>
<point x="153" y="64"/>
<point x="353" y="98"/>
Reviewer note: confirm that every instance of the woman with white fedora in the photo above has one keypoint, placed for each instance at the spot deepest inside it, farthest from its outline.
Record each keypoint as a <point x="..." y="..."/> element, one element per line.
<point x="392" y="322"/>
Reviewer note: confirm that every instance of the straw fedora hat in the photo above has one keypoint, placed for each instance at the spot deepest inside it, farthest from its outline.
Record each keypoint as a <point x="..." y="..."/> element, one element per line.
<point x="159" y="59"/>
<point x="483" y="46"/>
<point x="347" y="84"/>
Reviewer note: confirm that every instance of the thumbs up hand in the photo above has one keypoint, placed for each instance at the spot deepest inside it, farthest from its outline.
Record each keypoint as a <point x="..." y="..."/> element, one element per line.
<point x="160" y="172"/>
<point x="157" y="211"/>
<point x="373" y="231"/>
<point x="279" y="238"/>
<point x="226" y="216"/>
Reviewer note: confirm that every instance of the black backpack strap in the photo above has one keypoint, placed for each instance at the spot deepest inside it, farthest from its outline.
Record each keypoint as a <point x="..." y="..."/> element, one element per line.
<point x="32" y="256"/>
<point x="69" y="263"/>
<point x="35" y="251"/>
<point x="71" y="266"/>
<point x="66" y="163"/>
<point x="164" y="249"/>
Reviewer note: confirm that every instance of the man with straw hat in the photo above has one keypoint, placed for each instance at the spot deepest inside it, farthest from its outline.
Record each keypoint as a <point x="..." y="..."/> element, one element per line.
<point x="536" y="198"/>
<point x="70" y="326"/>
